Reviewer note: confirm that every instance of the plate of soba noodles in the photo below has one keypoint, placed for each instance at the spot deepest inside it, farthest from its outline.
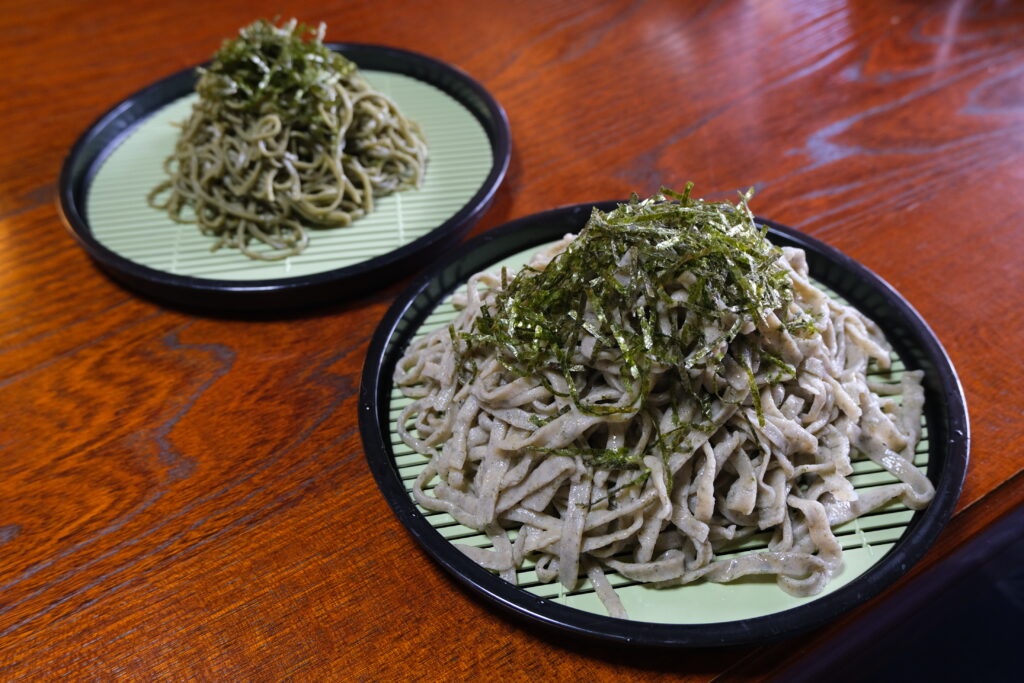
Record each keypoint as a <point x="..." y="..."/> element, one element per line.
<point x="286" y="171"/>
<point x="663" y="421"/>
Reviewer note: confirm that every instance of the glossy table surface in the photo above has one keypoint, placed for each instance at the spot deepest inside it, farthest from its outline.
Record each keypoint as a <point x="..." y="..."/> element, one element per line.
<point x="184" y="494"/>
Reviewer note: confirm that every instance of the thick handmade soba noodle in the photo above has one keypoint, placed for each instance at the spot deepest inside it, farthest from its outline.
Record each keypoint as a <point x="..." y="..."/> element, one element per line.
<point x="621" y="448"/>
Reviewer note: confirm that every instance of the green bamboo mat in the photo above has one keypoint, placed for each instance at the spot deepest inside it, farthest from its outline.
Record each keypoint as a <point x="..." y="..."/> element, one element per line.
<point x="460" y="159"/>
<point x="864" y="540"/>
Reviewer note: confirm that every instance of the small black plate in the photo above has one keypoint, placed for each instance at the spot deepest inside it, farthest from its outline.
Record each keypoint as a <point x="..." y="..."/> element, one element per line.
<point x="910" y="336"/>
<point x="107" y="133"/>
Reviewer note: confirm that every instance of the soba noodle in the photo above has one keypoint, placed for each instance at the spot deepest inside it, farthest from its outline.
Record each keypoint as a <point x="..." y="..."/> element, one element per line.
<point x="286" y="135"/>
<point x="661" y="431"/>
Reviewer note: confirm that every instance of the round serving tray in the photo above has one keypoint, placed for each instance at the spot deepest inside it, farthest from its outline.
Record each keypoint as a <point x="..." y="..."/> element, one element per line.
<point x="702" y="614"/>
<point x="111" y="168"/>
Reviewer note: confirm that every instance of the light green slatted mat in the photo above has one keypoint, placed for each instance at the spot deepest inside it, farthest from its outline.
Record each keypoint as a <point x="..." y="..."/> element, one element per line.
<point x="865" y="540"/>
<point x="460" y="159"/>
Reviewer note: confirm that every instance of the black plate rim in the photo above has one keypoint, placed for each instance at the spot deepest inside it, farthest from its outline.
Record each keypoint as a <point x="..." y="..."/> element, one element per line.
<point x="919" y="537"/>
<point x="82" y="162"/>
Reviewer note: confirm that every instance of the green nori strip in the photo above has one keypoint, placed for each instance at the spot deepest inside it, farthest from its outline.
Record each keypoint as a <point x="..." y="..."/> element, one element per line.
<point x="610" y="458"/>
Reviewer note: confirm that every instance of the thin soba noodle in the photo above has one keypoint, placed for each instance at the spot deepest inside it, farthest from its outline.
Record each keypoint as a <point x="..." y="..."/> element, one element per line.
<point x="286" y="135"/>
<point x="641" y="396"/>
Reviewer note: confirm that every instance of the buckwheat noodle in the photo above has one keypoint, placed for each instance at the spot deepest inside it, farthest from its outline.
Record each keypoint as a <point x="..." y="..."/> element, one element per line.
<point x="257" y="180"/>
<point x="776" y="459"/>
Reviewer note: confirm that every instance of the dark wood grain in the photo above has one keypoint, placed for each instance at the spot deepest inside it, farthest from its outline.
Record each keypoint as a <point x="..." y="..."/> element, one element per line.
<point x="183" y="495"/>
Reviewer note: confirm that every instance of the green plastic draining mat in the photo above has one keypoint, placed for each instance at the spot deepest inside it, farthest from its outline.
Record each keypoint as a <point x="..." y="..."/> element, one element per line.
<point x="460" y="158"/>
<point x="864" y="540"/>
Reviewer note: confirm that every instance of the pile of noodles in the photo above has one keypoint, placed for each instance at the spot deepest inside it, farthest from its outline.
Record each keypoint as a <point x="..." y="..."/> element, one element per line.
<point x="286" y="135"/>
<point x="764" y="445"/>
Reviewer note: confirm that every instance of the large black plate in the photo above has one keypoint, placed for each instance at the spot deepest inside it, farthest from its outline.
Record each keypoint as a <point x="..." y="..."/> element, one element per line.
<point x="913" y="341"/>
<point x="103" y="136"/>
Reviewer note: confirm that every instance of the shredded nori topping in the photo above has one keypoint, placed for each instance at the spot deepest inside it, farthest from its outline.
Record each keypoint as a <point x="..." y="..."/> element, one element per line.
<point x="285" y="70"/>
<point x="616" y="281"/>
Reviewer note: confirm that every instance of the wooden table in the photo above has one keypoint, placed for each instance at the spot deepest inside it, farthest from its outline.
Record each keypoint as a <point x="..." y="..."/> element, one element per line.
<point x="184" y="494"/>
